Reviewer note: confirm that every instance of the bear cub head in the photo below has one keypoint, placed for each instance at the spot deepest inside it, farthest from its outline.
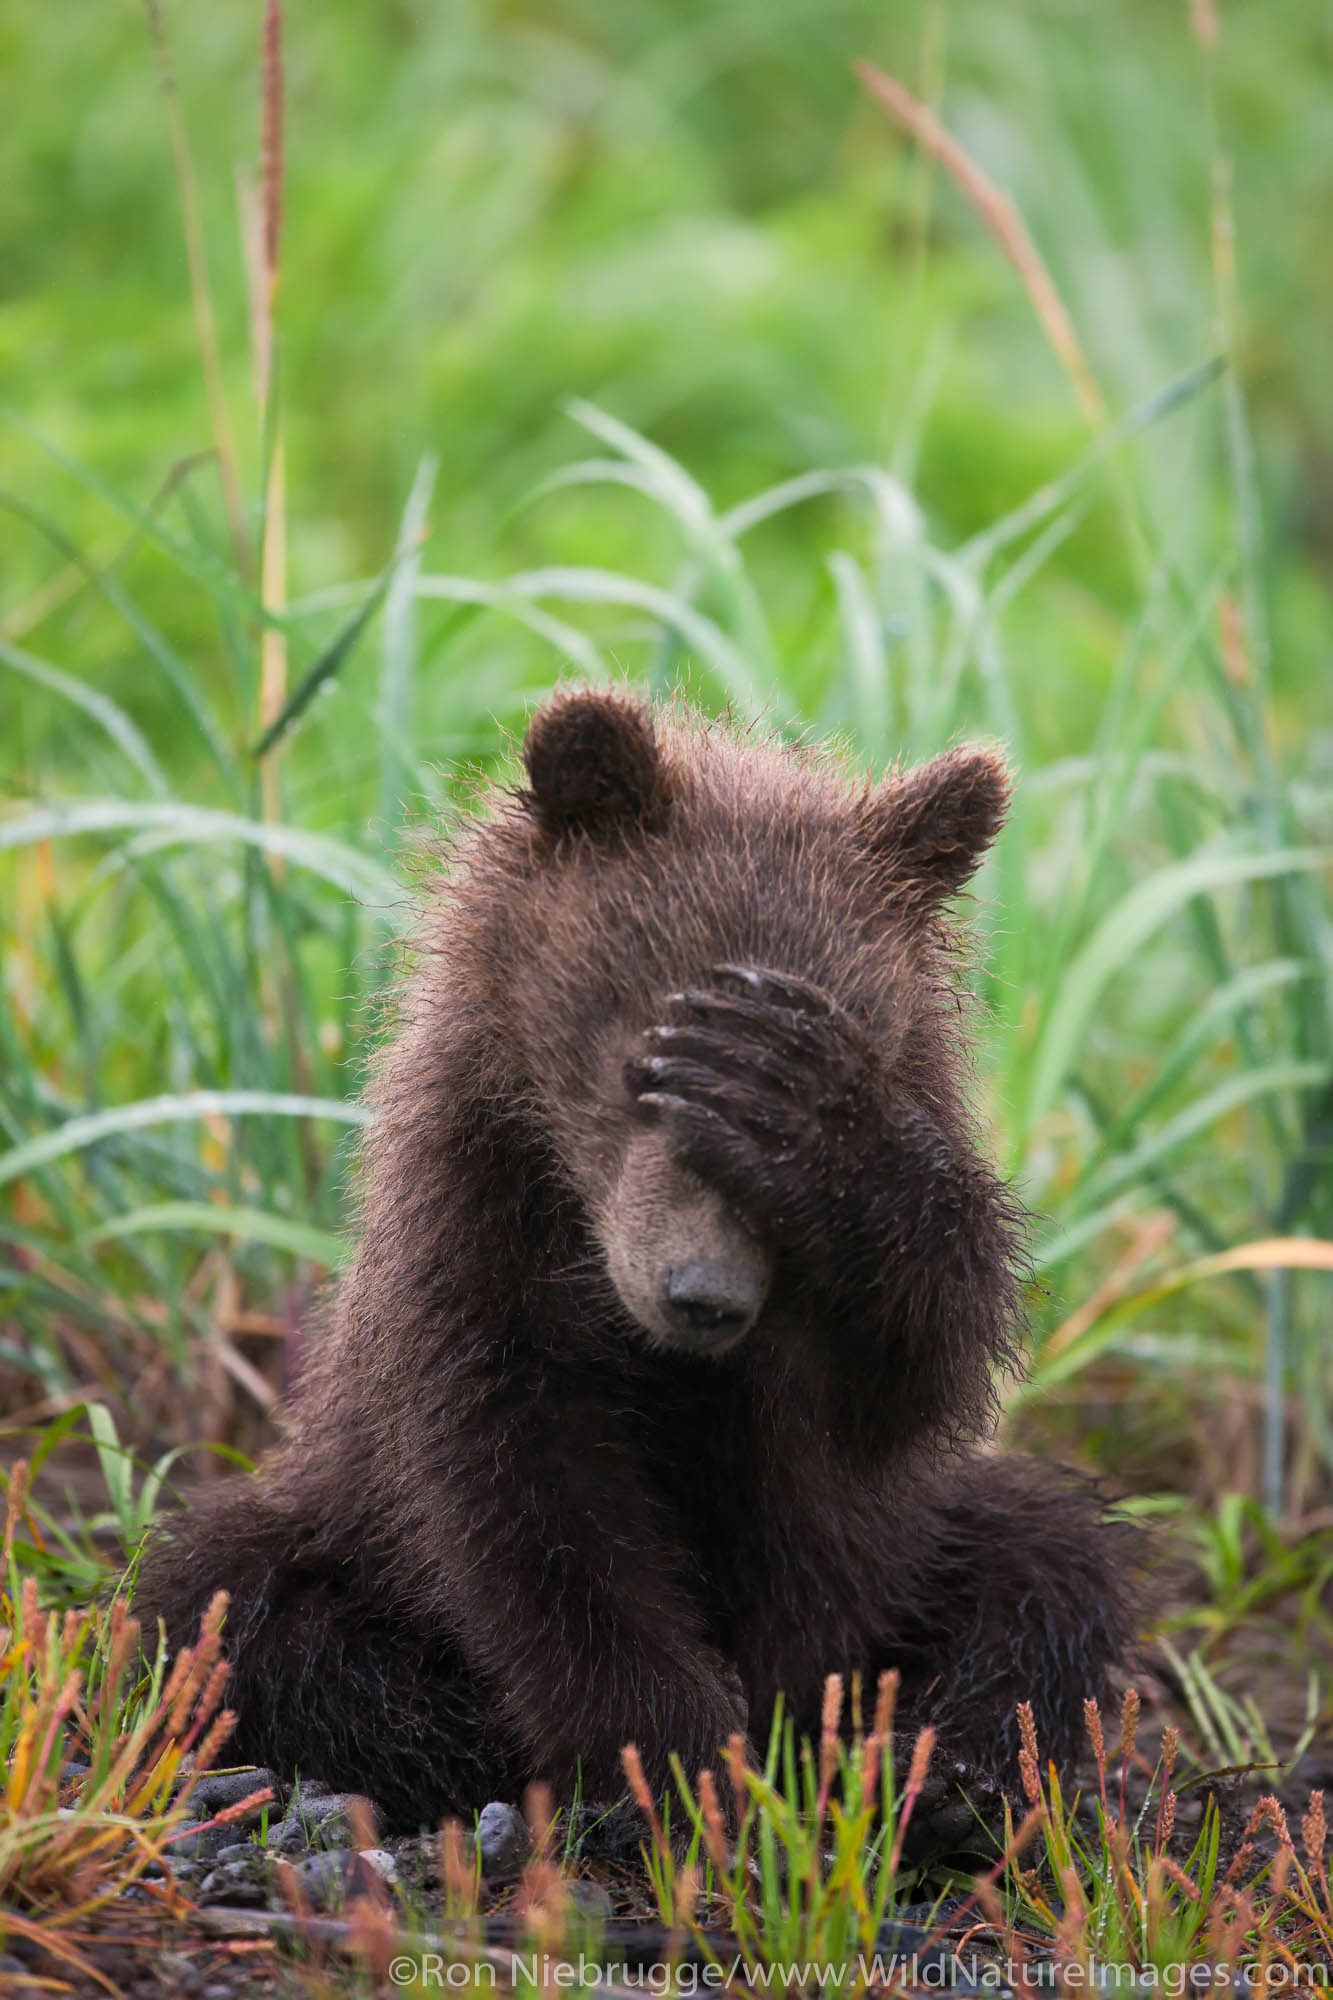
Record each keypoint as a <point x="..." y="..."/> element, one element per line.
<point x="719" y="969"/>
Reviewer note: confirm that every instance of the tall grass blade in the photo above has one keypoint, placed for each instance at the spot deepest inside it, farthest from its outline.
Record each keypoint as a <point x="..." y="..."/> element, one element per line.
<point x="201" y="291"/>
<point x="325" y="669"/>
<point x="355" y="874"/>
<point x="1120" y="935"/>
<point x="108" y="714"/>
<point x="76" y="1134"/>
<point x="1057" y="493"/>
<point x="394" y="706"/>
<point x="663" y="476"/>
<point x="735" y="673"/>
<point x="1205" y="1111"/>
<point x="246" y="1225"/>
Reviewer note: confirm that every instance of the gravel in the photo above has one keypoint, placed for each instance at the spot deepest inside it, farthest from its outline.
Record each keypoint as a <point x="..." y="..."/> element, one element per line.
<point x="243" y="1882"/>
<point x="329" y="1879"/>
<point x="218" y="1790"/>
<point x="503" y="1843"/>
<point x="316" y="1833"/>
<point x="591" y="1898"/>
<point x="203" y="1845"/>
<point x="317" y="1819"/>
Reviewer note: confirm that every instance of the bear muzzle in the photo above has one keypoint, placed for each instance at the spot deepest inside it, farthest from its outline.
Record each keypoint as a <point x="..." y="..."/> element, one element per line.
<point x="684" y="1267"/>
<point x="711" y="1305"/>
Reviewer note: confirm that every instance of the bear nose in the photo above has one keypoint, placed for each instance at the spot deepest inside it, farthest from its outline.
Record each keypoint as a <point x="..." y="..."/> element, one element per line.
<point x="709" y="1305"/>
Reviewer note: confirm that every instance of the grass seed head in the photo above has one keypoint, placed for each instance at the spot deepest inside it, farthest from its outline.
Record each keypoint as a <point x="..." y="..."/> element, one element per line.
<point x="639" y="1787"/>
<point x="685" y="1894"/>
<point x="1177" y="1874"/>
<point x="714" y="1827"/>
<point x="372" y="1933"/>
<point x="1268" y="1813"/>
<point x="1029" y="1765"/>
<point x="1314" y="1830"/>
<point x="832" y="1711"/>
<point x="922" y="1751"/>
<point x="457" y="1874"/>
<point x="886" y="1700"/>
<point x="15" y="1502"/>
<point x="1129" y="1722"/>
<point x="872" y="1766"/>
<point x="828" y="1734"/>
<point x="361" y="1822"/>
<point x="1027" y="1730"/>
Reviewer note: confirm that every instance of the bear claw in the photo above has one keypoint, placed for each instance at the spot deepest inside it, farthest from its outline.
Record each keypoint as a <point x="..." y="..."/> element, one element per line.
<point x="798" y="994"/>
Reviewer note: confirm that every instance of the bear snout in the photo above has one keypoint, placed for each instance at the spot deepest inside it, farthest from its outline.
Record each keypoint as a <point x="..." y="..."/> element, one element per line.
<point x="686" y="1269"/>
<point x="711" y="1305"/>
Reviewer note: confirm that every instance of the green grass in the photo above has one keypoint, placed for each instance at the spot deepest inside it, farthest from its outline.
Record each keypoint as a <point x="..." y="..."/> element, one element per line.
<point x="637" y="343"/>
<point x="831" y="473"/>
<point x="799" y="1880"/>
<point x="69" y="1845"/>
<point x="1155" y="1038"/>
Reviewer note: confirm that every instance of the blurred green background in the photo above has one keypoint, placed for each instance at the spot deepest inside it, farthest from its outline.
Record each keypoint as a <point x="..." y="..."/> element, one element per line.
<point x="508" y="232"/>
<point x="690" y="215"/>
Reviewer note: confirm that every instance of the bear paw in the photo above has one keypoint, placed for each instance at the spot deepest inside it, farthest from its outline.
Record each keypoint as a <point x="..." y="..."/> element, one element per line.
<point x="957" y="1818"/>
<point x="759" y="1077"/>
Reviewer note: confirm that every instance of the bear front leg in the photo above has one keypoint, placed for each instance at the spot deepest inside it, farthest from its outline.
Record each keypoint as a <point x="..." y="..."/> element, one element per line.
<point x="1017" y="1586"/>
<point x="778" y="1097"/>
<point x="572" y="1603"/>
<point x="891" y="1236"/>
<point x="769" y="1088"/>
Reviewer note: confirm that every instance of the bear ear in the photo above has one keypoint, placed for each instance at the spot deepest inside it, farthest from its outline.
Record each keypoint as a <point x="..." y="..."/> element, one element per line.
<point x="593" y="763"/>
<point x="934" y="824"/>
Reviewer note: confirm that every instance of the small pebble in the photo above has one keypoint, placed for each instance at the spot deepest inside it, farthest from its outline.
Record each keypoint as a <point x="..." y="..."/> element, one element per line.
<point x="330" y="1879"/>
<point x="220" y="1789"/>
<point x="590" y="1898"/>
<point x="200" y="1846"/>
<point x="176" y="1973"/>
<point x="242" y="1883"/>
<point x="897" y="1935"/>
<point x="503" y="1844"/>
<point x="316" y="1821"/>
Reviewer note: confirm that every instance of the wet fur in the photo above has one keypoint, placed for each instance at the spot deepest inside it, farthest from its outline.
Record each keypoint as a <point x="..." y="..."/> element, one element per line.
<point x="507" y="1532"/>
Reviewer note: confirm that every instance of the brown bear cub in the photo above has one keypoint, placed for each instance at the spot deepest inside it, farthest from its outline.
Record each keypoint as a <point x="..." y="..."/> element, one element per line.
<point x="657" y="1385"/>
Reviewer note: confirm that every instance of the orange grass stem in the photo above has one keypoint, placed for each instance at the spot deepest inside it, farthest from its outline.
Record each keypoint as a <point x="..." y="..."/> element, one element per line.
<point x="1002" y="218"/>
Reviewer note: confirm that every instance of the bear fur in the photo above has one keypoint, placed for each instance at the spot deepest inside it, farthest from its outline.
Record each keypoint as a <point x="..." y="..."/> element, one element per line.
<point x="661" y="1380"/>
